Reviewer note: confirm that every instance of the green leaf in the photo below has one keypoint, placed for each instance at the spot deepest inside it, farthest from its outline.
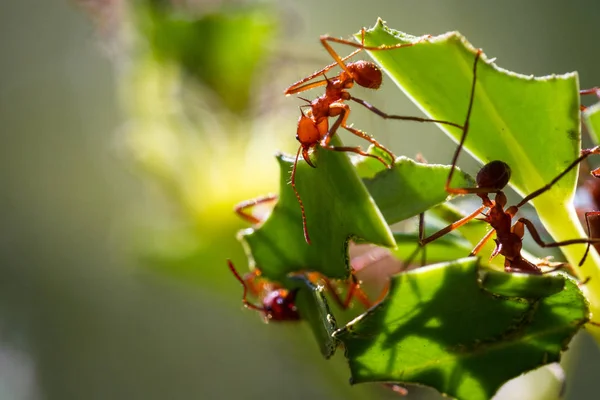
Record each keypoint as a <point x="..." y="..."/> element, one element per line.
<point x="531" y="123"/>
<point x="510" y="119"/>
<point x="333" y="192"/>
<point x="437" y="327"/>
<point x="521" y="285"/>
<point x="446" y="248"/>
<point x="314" y="309"/>
<point x="410" y="188"/>
<point x="591" y="117"/>
<point x="338" y="207"/>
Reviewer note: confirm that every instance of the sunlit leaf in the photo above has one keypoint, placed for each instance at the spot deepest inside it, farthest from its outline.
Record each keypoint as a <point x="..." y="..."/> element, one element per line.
<point x="437" y="327"/>
<point x="531" y="123"/>
<point x="333" y="193"/>
<point x="411" y="188"/>
<point x="521" y="285"/>
<point x="338" y="207"/>
<point x="513" y="115"/>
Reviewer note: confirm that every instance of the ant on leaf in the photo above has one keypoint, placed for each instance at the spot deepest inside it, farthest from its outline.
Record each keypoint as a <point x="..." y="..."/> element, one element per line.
<point x="278" y="303"/>
<point x="313" y="125"/>
<point x="491" y="179"/>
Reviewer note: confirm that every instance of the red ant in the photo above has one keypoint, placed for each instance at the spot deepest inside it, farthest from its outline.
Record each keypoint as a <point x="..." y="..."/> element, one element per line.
<point x="492" y="178"/>
<point x="313" y="125"/>
<point x="278" y="303"/>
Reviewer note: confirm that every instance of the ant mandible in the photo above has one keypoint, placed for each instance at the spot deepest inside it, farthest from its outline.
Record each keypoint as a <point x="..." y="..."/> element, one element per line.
<point x="492" y="178"/>
<point x="313" y="125"/>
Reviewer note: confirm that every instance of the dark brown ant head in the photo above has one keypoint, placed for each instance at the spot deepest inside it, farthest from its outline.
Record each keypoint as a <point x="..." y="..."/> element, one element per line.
<point x="366" y="74"/>
<point x="279" y="305"/>
<point x="493" y="175"/>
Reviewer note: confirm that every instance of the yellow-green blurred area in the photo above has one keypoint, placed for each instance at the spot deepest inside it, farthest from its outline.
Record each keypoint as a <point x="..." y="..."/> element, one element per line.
<point x="121" y="160"/>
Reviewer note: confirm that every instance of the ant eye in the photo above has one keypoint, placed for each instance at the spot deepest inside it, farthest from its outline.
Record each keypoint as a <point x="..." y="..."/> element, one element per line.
<point x="494" y="175"/>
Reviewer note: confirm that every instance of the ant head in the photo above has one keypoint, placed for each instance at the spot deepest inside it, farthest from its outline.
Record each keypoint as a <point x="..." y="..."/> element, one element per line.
<point x="279" y="305"/>
<point x="308" y="132"/>
<point x="493" y="175"/>
<point x="366" y="74"/>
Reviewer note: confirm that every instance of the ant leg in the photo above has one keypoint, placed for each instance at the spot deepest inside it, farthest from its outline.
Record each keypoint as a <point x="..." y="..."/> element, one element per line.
<point x="371" y="140"/>
<point x="354" y="291"/>
<point x="585" y="153"/>
<point x="482" y="242"/>
<point x="463" y="138"/>
<point x="302" y="88"/>
<point x="536" y="236"/>
<point x="356" y="150"/>
<point x="339" y="61"/>
<point x="584" y="282"/>
<point x="361" y="46"/>
<point x="241" y="209"/>
<point x="344" y="110"/>
<point x="594" y="214"/>
<point x="421" y="237"/>
<point x="293" y="182"/>
<point x="299" y="87"/>
<point x="423" y="241"/>
<point x="452" y="226"/>
<point x="400" y="117"/>
<point x="420" y="245"/>
<point x="594" y="91"/>
<point x="245" y="301"/>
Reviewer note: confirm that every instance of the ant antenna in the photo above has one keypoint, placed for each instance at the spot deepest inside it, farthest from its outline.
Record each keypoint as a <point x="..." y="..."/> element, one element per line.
<point x="467" y="119"/>
<point x="293" y="182"/>
<point x="247" y="304"/>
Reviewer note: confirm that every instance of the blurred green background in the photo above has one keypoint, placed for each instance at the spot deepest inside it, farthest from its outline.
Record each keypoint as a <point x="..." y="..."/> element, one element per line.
<point x="116" y="199"/>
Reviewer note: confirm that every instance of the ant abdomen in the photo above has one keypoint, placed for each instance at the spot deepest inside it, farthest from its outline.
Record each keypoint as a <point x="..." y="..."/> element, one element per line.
<point x="366" y="74"/>
<point x="493" y="175"/>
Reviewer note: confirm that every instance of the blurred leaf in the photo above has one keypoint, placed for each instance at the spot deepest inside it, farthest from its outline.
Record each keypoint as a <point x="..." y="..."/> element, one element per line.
<point x="338" y="207"/>
<point x="438" y="328"/>
<point x="223" y="50"/>
<point x="314" y="309"/>
<point x="591" y="117"/>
